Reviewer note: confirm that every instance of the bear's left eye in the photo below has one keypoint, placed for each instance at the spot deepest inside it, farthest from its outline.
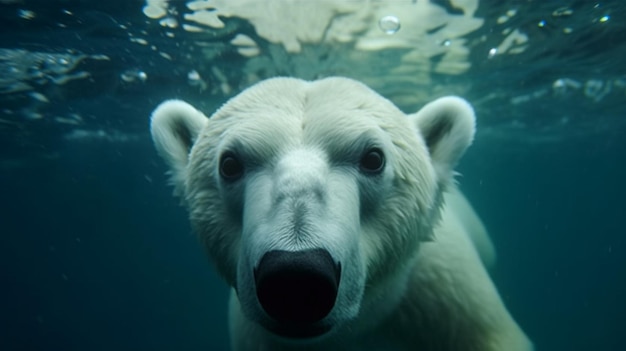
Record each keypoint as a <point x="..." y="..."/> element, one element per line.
<point x="373" y="161"/>
<point x="230" y="167"/>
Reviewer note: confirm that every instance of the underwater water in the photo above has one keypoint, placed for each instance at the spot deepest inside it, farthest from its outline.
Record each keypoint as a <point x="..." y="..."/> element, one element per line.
<point x="96" y="254"/>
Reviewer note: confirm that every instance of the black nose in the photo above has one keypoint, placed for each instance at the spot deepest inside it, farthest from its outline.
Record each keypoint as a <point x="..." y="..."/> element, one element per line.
<point x="297" y="287"/>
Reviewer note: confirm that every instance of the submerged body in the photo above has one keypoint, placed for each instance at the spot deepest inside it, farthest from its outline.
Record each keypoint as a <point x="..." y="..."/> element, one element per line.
<point x="335" y="218"/>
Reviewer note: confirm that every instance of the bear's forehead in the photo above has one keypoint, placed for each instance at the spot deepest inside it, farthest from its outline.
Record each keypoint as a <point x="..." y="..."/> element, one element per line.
<point x="295" y="111"/>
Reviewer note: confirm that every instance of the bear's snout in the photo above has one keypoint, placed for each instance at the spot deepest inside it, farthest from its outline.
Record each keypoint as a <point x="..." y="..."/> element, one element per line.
<point x="297" y="288"/>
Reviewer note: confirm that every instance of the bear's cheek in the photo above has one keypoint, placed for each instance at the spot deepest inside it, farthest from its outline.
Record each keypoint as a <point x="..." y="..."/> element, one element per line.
<point x="231" y="198"/>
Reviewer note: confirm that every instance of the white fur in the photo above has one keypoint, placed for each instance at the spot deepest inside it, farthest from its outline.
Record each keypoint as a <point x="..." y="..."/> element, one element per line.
<point x="463" y="210"/>
<point x="303" y="180"/>
<point x="168" y="120"/>
<point x="449" y="149"/>
<point x="412" y="278"/>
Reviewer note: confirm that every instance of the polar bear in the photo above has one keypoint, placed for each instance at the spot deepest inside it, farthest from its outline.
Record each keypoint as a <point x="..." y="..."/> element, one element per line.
<point x="335" y="219"/>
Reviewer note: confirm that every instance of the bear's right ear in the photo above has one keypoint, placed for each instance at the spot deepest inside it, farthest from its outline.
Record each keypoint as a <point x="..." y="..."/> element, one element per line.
<point x="174" y="126"/>
<point x="447" y="125"/>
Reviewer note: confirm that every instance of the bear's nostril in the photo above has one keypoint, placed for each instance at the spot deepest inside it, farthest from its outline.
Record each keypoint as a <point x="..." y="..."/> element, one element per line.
<point x="297" y="287"/>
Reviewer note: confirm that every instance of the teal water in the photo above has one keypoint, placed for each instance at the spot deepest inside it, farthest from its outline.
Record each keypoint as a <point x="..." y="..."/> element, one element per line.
<point x="95" y="254"/>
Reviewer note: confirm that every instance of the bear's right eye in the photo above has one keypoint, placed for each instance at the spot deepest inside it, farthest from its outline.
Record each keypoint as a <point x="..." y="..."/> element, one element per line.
<point x="230" y="167"/>
<point x="373" y="161"/>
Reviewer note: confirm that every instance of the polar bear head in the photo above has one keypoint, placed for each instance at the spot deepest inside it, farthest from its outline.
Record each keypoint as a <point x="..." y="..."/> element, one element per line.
<point x="312" y="198"/>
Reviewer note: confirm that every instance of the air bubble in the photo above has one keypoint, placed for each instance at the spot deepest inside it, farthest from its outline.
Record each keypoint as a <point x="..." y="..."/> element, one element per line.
<point x="562" y="12"/>
<point x="39" y="97"/>
<point x="133" y="75"/>
<point x="141" y="41"/>
<point x="492" y="52"/>
<point x="565" y="86"/>
<point x="169" y="22"/>
<point x="596" y="89"/>
<point x="194" y="77"/>
<point x="155" y="11"/>
<point x="389" y="24"/>
<point x="195" y="80"/>
<point x="26" y="14"/>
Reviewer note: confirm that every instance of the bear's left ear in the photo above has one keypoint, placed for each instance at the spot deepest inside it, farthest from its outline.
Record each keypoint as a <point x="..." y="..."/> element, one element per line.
<point x="175" y="126"/>
<point x="447" y="125"/>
